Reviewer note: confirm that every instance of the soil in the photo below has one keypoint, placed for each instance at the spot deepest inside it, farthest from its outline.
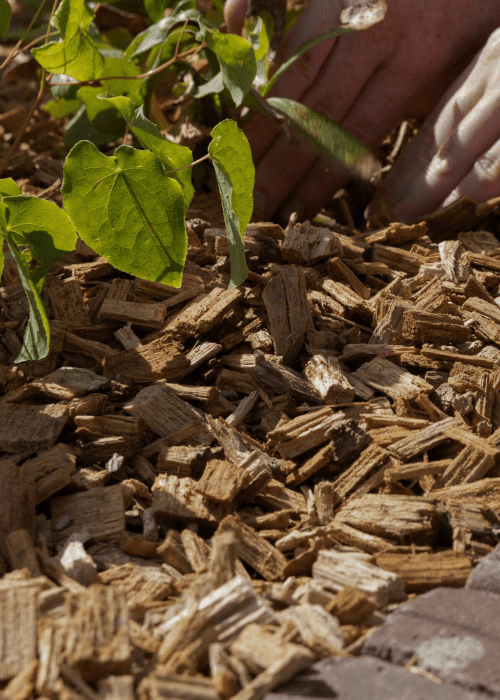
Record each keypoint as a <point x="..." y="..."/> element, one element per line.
<point x="206" y="490"/>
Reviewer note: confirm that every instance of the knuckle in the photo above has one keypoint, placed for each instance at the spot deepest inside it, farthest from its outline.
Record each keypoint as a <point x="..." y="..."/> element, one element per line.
<point x="487" y="166"/>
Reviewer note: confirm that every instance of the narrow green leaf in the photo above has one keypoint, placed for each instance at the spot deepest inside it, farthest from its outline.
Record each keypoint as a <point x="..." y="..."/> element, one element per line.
<point x="77" y="55"/>
<point x="302" y="49"/>
<point x="171" y="154"/>
<point x="126" y="209"/>
<point x="5" y="17"/>
<point x="235" y="172"/>
<point x="80" y="129"/>
<point x="37" y="335"/>
<point x="237" y="61"/>
<point x="331" y="140"/>
<point x="44" y="227"/>
<point x="8" y="188"/>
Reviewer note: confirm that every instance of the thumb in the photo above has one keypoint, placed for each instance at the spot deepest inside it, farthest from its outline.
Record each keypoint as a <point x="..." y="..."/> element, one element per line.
<point x="234" y="15"/>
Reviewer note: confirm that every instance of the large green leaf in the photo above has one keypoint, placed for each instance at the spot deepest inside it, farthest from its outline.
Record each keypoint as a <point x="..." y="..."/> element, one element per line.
<point x="8" y="188"/>
<point x="126" y="209"/>
<point x="44" y="228"/>
<point x="77" y="55"/>
<point x="171" y="154"/>
<point x="5" y="17"/>
<point x="37" y="334"/>
<point x="331" y="140"/>
<point x="237" y="61"/>
<point x="235" y="172"/>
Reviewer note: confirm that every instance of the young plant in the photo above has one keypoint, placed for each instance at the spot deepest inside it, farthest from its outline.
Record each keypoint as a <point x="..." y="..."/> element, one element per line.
<point x="130" y="206"/>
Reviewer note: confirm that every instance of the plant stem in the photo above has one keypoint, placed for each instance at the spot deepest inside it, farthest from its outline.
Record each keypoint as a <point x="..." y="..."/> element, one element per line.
<point x="190" y="165"/>
<point x="15" y="51"/>
<point x="184" y="54"/>
<point x="34" y="106"/>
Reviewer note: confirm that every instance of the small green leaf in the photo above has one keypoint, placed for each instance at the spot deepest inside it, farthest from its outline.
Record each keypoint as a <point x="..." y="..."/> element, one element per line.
<point x="61" y="108"/>
<point x="44" y="227"/>
<point x="77" y="55"/>
<point x="80" y="129"/>
<point x="126" y="209"/>
<point x="37" y="335"/>
<point x="5" y="17"/>
<point x="235" y="172"/>
<point x="171" y="154"/>
<point x="211" y="87"/>
<point x="330" y="139"/>
<point x="103" y="117"/>
<point x="237" y="61"/>
<point x="156" y="8"/>
<point x="8" y="188"/>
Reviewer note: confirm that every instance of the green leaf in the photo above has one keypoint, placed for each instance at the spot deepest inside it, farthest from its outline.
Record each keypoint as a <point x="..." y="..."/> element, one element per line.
<point x="76" y="55"/>
<point x="5" y="17"/>
<point x="237" y="61"/>
<point x="158" y="33"/>
<point x="122" y="66"/>
<point x="8" y="188"/>
<point x="68" y="91"/>
<point x="37" y="335"/>
<point x="213" y="86"/>
<point x="103" y="117"/>
<point x="44" y="227"/>
<point x="126" y="209"/>
<point x="61" y="108"/>
<point x="171" y="154"/>
<point x="235" y="172"/>
<point x="156" y="8"/>
<point x="80" y="129"/>
<point x="330" y="139"/>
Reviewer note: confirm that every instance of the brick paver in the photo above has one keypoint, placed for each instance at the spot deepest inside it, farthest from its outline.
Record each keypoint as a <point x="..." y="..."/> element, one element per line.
<point x="365" y="678"/>
<point x="486" y="575"/>
<point x="455" y="632"/>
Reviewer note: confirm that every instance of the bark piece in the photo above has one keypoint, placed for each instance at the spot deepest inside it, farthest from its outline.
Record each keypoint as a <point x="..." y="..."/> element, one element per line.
<point x="29" y="428"/>
<point x="289" y="313"/>
<point x="407" y="519"/>
<point x="70" y="382"/>
<point x="330" y="380"/>
<point x="182" y="460"/>
<point x="422" y="440"/>
<point x="428" y="570"/>
<point x="158" y="359"/>
<point x="471" y="464"/>
<point x="67" y="303"/>
<point x="147" y="316"/>
<point x="202" y="314"/>
<point x="427" y="327"/>
<point x="335" y="570"/>
<point x="222" y="481"/>
<point x="21" y="552"/>
<point x="318" y="630"/>
<point x="305" y="244"/>
<point x="338" y="270"/>
<point x="101" y="511"/>
<point x="177" y="500"/>
<point x="165" y="413"/>
<point x="18" y="634"/>
<point x="397" y="259"/>
<point x="108" y="425"/>
<point x="51" y="470"/>
<point x="303" y="433"/>
<point x="284" y="380"/>
<point x="196" y="549"/>
<point x="172" y="552"/>
<point x="176" y="686"/>
<point x="143" y="587"/>
<point x="392" y="380"/>
<point x="371" y="459"/>
<point x="268" y="561"/>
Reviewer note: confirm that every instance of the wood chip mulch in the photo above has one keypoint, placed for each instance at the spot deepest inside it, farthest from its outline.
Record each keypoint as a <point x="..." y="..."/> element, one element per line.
<point x="205" y="490"/>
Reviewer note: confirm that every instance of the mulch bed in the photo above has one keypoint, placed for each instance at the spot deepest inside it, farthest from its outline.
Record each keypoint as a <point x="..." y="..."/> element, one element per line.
<point x="206" y="490"/>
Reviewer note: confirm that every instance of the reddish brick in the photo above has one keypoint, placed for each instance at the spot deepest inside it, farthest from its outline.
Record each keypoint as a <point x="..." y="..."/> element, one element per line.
<point x="365" y="678"/>
<point x="455" y="632"/>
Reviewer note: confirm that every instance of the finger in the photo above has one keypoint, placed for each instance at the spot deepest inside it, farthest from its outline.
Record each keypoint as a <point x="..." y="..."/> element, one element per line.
<point x="483" y="181"/>
<point x="234" y="15"/>
<point x="282" y="166"/>
<point x="463" y="126"/>
<point x="318" y="17"/>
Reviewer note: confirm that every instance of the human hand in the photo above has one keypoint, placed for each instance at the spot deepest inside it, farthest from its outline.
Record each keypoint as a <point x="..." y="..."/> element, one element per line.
<point x="366" y="81"/>
<point x="457" y="150"/>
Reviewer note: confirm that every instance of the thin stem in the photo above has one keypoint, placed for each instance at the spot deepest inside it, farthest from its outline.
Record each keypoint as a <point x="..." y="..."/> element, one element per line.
<point x="180" y="37"/>
<point x="190" y="165"/>
<point x="185" y="54"/>
<point x="14" y="51"/>
<point x="34" y="106"/>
